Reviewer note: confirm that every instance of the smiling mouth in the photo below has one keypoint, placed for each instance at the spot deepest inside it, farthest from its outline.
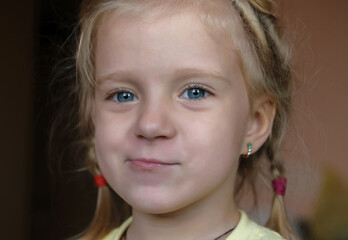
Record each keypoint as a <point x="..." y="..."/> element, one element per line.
<point x="149" y="164"/>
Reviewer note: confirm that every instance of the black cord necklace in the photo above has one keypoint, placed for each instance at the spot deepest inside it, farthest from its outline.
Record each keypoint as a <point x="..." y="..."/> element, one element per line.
<point x="225" y="233"/>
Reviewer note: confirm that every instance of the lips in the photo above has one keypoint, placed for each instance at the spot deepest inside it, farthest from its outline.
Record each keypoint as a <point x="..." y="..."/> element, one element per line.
<point x="149" y="164"/>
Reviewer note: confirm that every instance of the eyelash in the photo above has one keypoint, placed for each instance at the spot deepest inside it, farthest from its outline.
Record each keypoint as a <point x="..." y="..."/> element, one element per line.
<point x="114" y="92"/>
<point x="197" y="86"/>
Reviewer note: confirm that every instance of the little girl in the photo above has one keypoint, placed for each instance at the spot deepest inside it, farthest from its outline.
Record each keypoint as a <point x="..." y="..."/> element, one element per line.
<point x="179" y="99"/>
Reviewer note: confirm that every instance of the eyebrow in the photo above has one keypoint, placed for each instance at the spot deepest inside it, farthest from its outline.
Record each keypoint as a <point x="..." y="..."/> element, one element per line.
<point x="182" y="73"/>
<point x="196" y="72"/>
<point x="117" y="75"/>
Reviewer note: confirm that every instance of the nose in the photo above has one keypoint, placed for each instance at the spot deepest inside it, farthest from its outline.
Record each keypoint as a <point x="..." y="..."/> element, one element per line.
<point x="154" y="121"/>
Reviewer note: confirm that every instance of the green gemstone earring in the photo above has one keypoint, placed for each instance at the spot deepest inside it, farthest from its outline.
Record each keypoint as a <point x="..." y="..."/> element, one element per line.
<point x="249" y="151"/>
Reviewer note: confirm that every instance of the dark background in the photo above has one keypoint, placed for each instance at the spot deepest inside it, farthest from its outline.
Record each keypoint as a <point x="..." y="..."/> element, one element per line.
<point x="42" y="198"/>
<point x="62" y="199"/>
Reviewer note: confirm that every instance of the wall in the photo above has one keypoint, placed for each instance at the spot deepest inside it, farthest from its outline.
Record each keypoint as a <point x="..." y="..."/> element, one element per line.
<point x="16" y="62"/>
<point x="319" y="32"/>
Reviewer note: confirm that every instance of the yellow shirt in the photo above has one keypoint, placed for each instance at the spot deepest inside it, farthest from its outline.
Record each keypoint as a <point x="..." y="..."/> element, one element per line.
<point x="245" y="230"/>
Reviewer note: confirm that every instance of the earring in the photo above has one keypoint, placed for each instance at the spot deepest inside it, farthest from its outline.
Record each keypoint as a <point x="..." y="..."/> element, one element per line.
<point x="249" y="151"/>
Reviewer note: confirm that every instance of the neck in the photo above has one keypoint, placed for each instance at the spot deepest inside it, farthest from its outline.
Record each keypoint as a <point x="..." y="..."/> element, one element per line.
<point x="205" y="220"/>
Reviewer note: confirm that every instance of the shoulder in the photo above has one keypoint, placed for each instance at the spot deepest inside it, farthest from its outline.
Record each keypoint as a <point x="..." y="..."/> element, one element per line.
<point x="248" y="229"/>
<point x="117" y="233"/>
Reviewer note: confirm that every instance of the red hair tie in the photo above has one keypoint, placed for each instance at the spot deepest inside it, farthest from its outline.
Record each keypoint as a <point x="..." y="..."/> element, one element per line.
<point x="100" y="180"/>
<point x="279" y="186"/>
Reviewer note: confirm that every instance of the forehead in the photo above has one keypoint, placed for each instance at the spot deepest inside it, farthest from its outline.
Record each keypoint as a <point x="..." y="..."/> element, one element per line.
<point x="157" y="47"/>
<point x="219" y="17"/>
<point x="159" y="31"/>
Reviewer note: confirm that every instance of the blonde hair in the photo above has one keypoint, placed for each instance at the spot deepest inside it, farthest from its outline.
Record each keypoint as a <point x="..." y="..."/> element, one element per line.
<point x="264" y="59"/>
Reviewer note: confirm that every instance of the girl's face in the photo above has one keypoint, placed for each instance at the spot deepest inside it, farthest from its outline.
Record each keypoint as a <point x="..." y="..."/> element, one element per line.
<point x="171" y="112"/>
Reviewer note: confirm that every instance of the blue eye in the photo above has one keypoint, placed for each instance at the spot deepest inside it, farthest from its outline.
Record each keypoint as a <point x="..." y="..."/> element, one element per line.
<point x="195" y="93"/>
<point x="123" y="97"/>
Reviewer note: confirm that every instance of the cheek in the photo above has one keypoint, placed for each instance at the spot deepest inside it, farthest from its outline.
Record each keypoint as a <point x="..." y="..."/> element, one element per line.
<point x="109" y="138"/>
<point x="109" y="141"/>
<point x="221" y="130"/>
<point x="216" y="139"/>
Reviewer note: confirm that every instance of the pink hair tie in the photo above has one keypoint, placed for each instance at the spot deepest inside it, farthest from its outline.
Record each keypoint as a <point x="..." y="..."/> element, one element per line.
<point x="279" y="186"/>
<point x="100" y="181"/>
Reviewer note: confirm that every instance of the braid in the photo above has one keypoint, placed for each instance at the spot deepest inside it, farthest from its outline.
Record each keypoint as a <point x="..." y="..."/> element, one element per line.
<point x="263" y="6"/>
<point x="272" y="54"/>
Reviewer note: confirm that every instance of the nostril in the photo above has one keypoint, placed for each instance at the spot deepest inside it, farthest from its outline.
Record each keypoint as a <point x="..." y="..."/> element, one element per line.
<point x="152" y="138"/>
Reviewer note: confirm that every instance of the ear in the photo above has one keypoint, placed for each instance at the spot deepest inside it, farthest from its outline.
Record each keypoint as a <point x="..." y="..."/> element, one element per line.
<point x="260" y="123"/>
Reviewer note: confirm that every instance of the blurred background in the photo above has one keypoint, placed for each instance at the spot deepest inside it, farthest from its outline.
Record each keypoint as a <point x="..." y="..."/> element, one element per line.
<point x="39" y="202"/>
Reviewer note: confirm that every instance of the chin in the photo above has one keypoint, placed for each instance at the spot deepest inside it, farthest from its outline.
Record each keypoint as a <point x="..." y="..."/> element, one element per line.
<point x="155" y="205"/>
